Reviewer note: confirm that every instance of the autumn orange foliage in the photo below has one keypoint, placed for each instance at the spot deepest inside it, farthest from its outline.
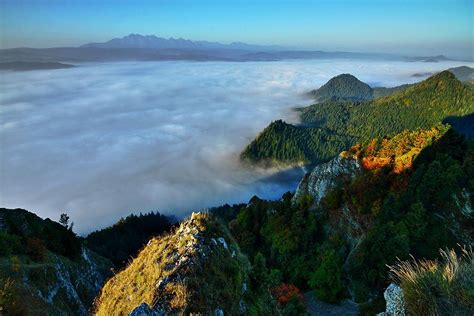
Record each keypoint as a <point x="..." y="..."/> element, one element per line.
<point x="285" y="292"/>
<point x="397" y="153"/>
<point x="373" y="163"/>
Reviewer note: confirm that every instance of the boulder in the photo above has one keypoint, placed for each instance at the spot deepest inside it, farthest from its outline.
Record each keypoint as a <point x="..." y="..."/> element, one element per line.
<point x="395" y="302"/>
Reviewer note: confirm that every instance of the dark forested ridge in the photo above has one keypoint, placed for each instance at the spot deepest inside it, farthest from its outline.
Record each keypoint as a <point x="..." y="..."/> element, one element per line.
<point x="331" y="126"/>
<point x="122" y="241"/>
<point x="281" y="143"/>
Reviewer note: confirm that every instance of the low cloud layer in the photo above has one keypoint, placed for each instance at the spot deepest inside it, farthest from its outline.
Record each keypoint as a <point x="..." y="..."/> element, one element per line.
<point x="103" y="140"/>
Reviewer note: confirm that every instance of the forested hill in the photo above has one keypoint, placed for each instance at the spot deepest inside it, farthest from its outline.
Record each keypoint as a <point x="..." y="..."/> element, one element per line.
<point x="350" y="217"/>
<point x="331" y="126"/>
<point x="345" y="87"/>
<point x="45" y="269"/>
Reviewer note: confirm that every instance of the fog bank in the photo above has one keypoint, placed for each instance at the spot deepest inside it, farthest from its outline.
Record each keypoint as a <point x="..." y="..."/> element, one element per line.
<point x="103" y="140"/>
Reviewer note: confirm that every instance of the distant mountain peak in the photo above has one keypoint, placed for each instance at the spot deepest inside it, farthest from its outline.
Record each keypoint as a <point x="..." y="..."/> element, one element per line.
<point x="134" y="40"/>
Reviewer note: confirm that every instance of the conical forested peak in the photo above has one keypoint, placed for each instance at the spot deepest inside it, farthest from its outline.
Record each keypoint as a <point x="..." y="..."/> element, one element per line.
<point x="344" y="87"/>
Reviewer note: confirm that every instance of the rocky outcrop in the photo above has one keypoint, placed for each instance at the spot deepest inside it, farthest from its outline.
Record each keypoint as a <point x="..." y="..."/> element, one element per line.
<point x="44" y="275"/>
<point x="196" y="269"/>
<point x="145" y="310"/>
<point x="60" y="285"/>
<point x="325" y="177"/>
<point x="395" y="303"/>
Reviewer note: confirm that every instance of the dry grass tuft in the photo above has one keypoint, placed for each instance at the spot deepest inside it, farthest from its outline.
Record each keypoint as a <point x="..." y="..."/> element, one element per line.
<point x="438" y="287"/>
<point x="180" y="295"/>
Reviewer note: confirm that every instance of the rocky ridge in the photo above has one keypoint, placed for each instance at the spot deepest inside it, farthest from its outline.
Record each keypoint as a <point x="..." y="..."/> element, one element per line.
<point x="38" y="277"/>
<point x="196" y="269"/>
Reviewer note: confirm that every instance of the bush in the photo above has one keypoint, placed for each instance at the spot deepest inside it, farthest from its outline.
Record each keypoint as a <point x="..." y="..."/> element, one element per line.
<point x="327" y="279"/>
<point x="295" y="307"/>
<point x="333" y="199"/>
<point x="9" y="299"/>
<point x="285" y="293"/>
<point x="9" y="244"/>
<point x="35" y="249"/>
<point x="432" y="287"/>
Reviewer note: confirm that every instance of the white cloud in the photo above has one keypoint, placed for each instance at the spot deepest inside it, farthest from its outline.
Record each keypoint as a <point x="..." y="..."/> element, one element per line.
<point x="102" y="140"/>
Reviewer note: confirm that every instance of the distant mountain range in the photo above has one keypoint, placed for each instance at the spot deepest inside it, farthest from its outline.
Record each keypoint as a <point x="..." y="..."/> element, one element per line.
<point x="26" y="65"/>
<point x="154" y="42"/>
<point x="135" y="47"/>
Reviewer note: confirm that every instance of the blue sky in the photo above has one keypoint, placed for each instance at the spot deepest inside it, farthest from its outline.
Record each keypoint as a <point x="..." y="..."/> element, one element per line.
<point x="410" y="27"/>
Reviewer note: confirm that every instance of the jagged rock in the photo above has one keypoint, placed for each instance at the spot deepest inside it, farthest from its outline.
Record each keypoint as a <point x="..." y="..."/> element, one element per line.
<point x="325" y="177"/>
<point x="145" y="310"/>
<point x="244" y="287"/>
<point x="395" y="303"/>
<point x="243" y="307"/>
<point x="464" y="203"/>
<point x="162" y="283"/>
<point x="223" y="242"/>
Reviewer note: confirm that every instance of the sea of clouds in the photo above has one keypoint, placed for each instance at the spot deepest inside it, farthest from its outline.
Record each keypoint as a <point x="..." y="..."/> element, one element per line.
<point x="103" y="140"/>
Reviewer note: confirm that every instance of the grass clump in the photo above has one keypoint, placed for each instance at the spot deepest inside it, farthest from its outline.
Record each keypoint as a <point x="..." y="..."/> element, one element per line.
<point x="438" y="287"/>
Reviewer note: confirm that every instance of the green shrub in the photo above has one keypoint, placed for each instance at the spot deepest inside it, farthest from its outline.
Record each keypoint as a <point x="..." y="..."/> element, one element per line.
<point x="327" y="279"/>
<point x="35" y="249"/>
<point x="9" y="244"/>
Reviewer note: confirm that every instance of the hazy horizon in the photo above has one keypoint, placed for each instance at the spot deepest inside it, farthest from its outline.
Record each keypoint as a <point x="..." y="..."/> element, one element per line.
<point x="411" y="28"/>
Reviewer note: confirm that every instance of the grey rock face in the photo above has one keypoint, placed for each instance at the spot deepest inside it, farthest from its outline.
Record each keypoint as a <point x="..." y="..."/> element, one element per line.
<point x="325" y="177"/>
<point x="395" y="302"/>
<point x="218" y="312"/>
<point x="145" y="310"/>
<point x="222" y="241"/>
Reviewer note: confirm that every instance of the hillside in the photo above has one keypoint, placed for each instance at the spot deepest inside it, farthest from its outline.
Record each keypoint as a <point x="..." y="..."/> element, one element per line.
<point x="332" y="240"/>
<point x="419" y="106"/>
<point x="463" y="73"/>
<point x="350" y="217"/>
<point x="349" y="88"/>
<point x="44" y="268"/>
<point x="281" y="143"/>
<point x="198" y="268"/>
<point x="344" y="87"/>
